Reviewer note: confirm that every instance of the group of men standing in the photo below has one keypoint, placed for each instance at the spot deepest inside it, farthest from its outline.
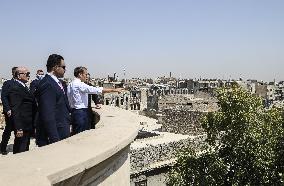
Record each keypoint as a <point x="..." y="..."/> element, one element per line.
<point x="48" y="108"/>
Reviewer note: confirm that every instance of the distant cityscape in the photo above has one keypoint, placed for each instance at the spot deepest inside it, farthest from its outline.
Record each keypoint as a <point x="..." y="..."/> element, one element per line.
<point x="178" y="104"/>
<point x="142" y="92"/>
<point x="173" y="108"/>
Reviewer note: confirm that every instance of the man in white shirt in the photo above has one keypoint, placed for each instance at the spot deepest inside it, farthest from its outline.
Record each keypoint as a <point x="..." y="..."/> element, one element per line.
<point x="77" y="93"/>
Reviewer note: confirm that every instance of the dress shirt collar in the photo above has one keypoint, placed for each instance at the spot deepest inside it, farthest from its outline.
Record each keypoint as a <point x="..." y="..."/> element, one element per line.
<point x="77" y="79"/>
<point x="53" y="77"/>
<point x="21" y="82"/>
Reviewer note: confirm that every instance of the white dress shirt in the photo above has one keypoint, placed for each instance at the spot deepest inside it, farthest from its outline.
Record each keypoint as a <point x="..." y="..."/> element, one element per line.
<point x="53" y="77"/>
<point x="78" y="91"/>
<point x="24" y="85"/>
<point x="57" y="81"/>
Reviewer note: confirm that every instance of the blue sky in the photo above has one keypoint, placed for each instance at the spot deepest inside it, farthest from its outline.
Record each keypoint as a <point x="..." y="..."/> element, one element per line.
<point x="149" y="38"/>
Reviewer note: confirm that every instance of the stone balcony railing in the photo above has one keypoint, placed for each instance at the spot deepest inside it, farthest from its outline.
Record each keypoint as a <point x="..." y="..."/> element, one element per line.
<point x="94" y="157"/>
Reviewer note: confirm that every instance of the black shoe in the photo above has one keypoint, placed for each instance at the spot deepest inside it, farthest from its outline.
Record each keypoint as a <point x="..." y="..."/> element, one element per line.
<point x="4" y="152"/>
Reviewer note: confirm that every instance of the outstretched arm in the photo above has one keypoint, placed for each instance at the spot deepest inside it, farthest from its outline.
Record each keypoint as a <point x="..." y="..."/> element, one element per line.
<point x="109" y="90"/>
<point x="97" y="90"/>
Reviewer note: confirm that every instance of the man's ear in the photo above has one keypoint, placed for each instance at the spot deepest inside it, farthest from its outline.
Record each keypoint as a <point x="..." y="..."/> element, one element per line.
<point x="16" y="74"/>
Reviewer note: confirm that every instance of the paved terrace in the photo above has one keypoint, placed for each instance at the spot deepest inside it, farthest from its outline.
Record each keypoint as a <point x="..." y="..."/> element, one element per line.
<point x="94" y="157"/>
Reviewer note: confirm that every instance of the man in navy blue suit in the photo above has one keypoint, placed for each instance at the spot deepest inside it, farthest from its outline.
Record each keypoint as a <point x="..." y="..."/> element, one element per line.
<point x="53" y="106"/>
<point x="33" y="87"/>
<point x="35" y="82"/>
<point x="7" y="111"/>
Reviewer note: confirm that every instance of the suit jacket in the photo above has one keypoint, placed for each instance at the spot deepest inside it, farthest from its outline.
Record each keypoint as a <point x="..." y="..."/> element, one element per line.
<point x="34" y="85"/>
<point x="23" y="106"/>
<point x="53" y="108"/>
<point x="4" y="94"/>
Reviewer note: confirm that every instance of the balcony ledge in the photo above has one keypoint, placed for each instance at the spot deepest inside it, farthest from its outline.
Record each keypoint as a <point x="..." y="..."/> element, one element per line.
<point x="55" y="163"/>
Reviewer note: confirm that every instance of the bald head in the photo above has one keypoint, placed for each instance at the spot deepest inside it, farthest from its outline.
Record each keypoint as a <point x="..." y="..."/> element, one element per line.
<point x="23" y="74"/>
<point x="21" y="69"/>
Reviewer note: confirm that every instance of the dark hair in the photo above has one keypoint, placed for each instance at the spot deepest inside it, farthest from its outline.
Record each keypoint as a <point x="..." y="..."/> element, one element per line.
<point x="14" y="70"/>
<point x="79" y="70"/>
<point x="53" y="60"/>
<point x="38" y="71"/>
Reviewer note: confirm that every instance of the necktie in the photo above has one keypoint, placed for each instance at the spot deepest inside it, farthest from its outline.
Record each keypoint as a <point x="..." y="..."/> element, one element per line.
<point x="27" y="87"/>
<point x="61" y="86"/>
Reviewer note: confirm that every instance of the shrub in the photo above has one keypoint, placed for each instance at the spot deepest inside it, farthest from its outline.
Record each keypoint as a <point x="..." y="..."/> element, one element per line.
<point x="244" y="145"/>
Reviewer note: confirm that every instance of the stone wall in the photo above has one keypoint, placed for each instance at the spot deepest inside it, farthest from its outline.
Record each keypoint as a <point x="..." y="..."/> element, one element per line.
<point x="181" y="121"/>
<point x="146" y="157"/>
<point x="200" y="102"/>
<point x="152" y="102"/>
<point x="151" y="158"/>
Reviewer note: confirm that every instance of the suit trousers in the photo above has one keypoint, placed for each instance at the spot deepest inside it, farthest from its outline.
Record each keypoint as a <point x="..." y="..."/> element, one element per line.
<point x="6" y="133"/>
<point x="21" y="144"/>
<point x="80" y="120"/>
<point x="42" y="138"/>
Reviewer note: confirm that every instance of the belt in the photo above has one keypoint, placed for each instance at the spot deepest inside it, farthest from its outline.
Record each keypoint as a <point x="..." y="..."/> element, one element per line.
<point x="73" y="109"/>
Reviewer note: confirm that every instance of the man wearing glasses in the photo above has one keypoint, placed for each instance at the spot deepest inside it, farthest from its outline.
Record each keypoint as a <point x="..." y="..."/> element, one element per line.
<point x="23" y="109"/>
<point x="53" y="107"/>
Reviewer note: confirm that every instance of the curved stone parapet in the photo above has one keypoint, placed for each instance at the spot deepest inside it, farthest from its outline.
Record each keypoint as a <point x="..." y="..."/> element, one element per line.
<point x="94" y="157"/>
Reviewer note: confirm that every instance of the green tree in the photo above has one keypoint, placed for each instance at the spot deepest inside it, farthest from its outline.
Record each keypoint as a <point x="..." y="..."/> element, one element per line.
<point x="244" y="145"/>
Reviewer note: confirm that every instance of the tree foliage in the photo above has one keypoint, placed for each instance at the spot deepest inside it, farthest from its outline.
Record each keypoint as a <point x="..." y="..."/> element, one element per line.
<point x="243" y="147"/>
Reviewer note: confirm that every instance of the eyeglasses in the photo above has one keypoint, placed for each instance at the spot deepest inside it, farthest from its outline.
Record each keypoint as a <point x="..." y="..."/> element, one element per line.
<point x="26" y="74"/>
<point x="62" y="67"/>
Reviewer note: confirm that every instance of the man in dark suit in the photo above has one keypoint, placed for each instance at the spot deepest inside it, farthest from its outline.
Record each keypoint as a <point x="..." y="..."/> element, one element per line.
<point x="93" y="116"/>
<point x="53" y="106"/>
<point x="35" y="82"/>
<point x="7" y="111"/>
<point x="33" y="87"/>
<point x="23" y="107"/>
